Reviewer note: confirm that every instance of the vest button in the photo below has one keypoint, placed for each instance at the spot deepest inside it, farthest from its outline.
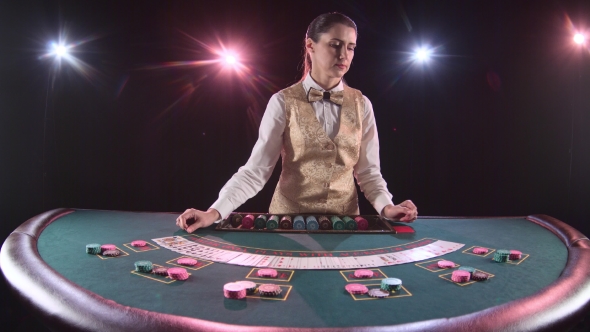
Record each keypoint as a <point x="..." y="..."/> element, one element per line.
<point x="327" y="185"/>
<point x="329" y="146"/>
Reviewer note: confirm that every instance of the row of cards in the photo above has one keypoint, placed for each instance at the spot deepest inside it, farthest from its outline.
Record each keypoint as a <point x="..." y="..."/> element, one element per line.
<point x="189" y="248"/>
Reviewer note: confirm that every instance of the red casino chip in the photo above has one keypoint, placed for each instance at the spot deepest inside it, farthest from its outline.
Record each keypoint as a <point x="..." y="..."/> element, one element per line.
<point x="248" y="221"/>
<point x="269" y="290"/>
<point x="138" y="243"/>
<point x="267" y="273"/>
<point x="378" y="292"/>
<point x="363" y="274"/>
<point x="461" y="276"/>
<point x="356" y="289"/>
<point x="479" y="276"/>
<point x="234" y="290"/>
<point x="480" y="251"/>
<point x="187" y="261"/>
<point x="515" y="255"/>
<point x="446" y="264"/>
<point x="177" y="273"/>
<point x="362" y="223"/>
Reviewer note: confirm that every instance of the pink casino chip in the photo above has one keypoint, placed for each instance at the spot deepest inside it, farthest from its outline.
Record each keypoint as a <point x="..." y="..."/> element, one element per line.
<point x="446" y="264"/>
<point x="138" y="243"/>
<point x="461" y="276"/>
<point x="107" y="247"/>
<point x="356" y="289"/>
<point x="514" y="255"/>
<point x="234" y="290"/>
<point x="177" y="273"/>
<point x="362" y="223"/>
<point x="363" y="273"/>
<point x="267" y="273"/>
<point x="480" y="251"/>
<point x="187" y="261"/>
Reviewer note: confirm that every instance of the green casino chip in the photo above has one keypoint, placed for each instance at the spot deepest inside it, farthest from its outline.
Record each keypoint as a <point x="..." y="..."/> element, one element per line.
<point x="349" y="223"/>
<point x="468" y="269"/>
<point x="143" y="266"/>
<point x="273" y="222"/>
<point x="93" y="248"/>
<point x="391" y="284"/>
<point x="260" y="222"/>
<point x="337" y="223"/>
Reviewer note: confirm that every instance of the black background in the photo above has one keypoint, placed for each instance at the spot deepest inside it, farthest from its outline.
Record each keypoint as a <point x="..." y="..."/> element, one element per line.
<point x="496" y="124"/>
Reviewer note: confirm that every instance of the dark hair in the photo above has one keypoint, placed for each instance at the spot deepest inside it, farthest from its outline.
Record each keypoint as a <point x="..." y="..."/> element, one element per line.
<point x="318" y="26"/>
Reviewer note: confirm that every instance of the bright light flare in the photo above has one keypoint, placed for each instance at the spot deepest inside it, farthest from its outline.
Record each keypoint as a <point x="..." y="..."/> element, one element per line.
<point x="422" y="54"/>
<point x="579" y="39"/>
<point x="230" y="59"/>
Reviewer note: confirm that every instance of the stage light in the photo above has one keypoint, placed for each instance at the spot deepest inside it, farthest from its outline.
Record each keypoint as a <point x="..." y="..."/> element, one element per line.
<point x="422" y="54"/>
<point x="230" y="59"/>
<point x="579" y="39"/>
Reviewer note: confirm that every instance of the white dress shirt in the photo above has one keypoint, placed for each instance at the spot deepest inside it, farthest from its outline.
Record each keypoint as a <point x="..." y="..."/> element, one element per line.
<point x="250" y="178"/>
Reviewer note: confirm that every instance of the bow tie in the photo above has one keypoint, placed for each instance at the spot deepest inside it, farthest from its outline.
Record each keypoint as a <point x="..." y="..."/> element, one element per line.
<point x="336" y="97"/>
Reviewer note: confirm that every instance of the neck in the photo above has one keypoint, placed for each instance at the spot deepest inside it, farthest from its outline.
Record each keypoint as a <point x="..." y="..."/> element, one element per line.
<point x="327" y="83"/>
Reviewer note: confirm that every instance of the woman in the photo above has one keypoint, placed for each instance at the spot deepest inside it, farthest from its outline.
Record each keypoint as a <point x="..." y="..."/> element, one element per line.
<point x="325" y="132"/>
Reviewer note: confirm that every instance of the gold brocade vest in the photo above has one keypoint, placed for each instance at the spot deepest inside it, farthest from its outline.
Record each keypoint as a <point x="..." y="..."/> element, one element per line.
<point x="317" y="174"/>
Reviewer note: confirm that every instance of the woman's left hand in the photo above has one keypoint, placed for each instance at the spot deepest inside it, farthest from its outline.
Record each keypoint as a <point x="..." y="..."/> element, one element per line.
<point x="405" y="211"/>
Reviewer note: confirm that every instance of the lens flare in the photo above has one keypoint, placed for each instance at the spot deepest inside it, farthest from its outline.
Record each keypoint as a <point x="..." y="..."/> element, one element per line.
<point x="422" y="54"/>
<point x="579" y="39"/>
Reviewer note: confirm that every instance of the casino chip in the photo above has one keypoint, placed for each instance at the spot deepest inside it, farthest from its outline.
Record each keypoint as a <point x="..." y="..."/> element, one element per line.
<point x="286" y="222"/>
<point x="234" y="290"/>
<point x="515" y="255"/>
<point x="143" y="266"/>
<point x="362" y="223"/>
<point x="161" y="271"/>
<point x="479" y="276"/>
<point x="177" y="273"/>
<point x="93" y="248"/>
<point x="501" y="256"/>
<point x="111" y="253"/>
<point x="248" y="285"/>
<point x="298" y="223"/>
<point x="480" y="251"/>
<point x="138" y="243"/>
<point x="260" y="222"/>
<point x="337" y="223"/>
<point x="356" y="289"/>
<point x="106" y="247"/>
<point x="460" y="276"/>
<point x="267" y="273"/>
<point x="248" y="221"/>
<point x="446" y="264"/>
<point x="325" y="223"/>
<point x="273" y="222"/>
<point x="269" y="290"/>
<point x="349" y="223"/>
<point x="186" y="261"/>
<point x="236" y="220"/>
<point x="311" y="223"/>
<point x="468" y="269"/>
<point x="378" y="292"/>
<point x="391" y="284"/>
<point x="363" y="274"/>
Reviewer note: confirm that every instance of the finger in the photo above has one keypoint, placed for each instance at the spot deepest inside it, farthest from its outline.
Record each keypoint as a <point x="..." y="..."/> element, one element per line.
<point x="194" y="226"/>
<point x="409" y="204"/>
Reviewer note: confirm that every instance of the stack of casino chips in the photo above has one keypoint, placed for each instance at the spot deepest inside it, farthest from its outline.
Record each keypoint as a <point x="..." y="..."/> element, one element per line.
<point x="93" y="248"/>
<point x="501" y="256"/>
<point x="444" y="264"/>
<point x="325" y="223"/>
<point x="480" y="251"/>
<point x="298" y="223"/>
<point x="269" y="290"/>
<point x="234" y="290"/>
<point x="362" y="223"/>
<point x="236" y="220"/>
<point x="337" y="223"/>
<point x="138" y="243"/>
<point x="350" y="223"/>
<point x="356" y="289"/>
<point x="311" y="223"/>
<point x="161" y="271"/>
<point x="186" y="261"/>
<point x="479" y="276"/>
<point x="273" y="222"/>
<point x="468" y="269"/>
<point x="378" y="292"/>
<point x="260" y="222"/>
<point x="143" y="266"/>
<point x="391" y="284"/>
<point x="461" y="276"/>
<point x="286" y="222"/>
<point x="177" y="273"/>
<point x="109" y="250"/>
<point x="515" y="255"/>
<point x="363" y="274"/>
<point x="267" y="273"/>
<point x="249" y="286"/>
<point x="248" y="221"/>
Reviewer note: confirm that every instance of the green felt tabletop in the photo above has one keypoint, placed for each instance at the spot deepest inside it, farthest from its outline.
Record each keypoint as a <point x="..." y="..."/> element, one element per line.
<point x="315" y="298"/>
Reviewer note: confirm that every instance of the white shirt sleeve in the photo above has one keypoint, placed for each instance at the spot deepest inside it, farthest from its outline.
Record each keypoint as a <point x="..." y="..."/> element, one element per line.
<point x="250" y="178"/>
<point x="368" y="170"/>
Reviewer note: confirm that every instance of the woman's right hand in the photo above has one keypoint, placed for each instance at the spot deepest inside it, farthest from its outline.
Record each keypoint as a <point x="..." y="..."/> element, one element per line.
<point x="193" y="219"/>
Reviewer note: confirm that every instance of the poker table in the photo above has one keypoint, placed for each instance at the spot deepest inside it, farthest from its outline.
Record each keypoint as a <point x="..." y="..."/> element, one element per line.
<point x="44" y="261"/>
